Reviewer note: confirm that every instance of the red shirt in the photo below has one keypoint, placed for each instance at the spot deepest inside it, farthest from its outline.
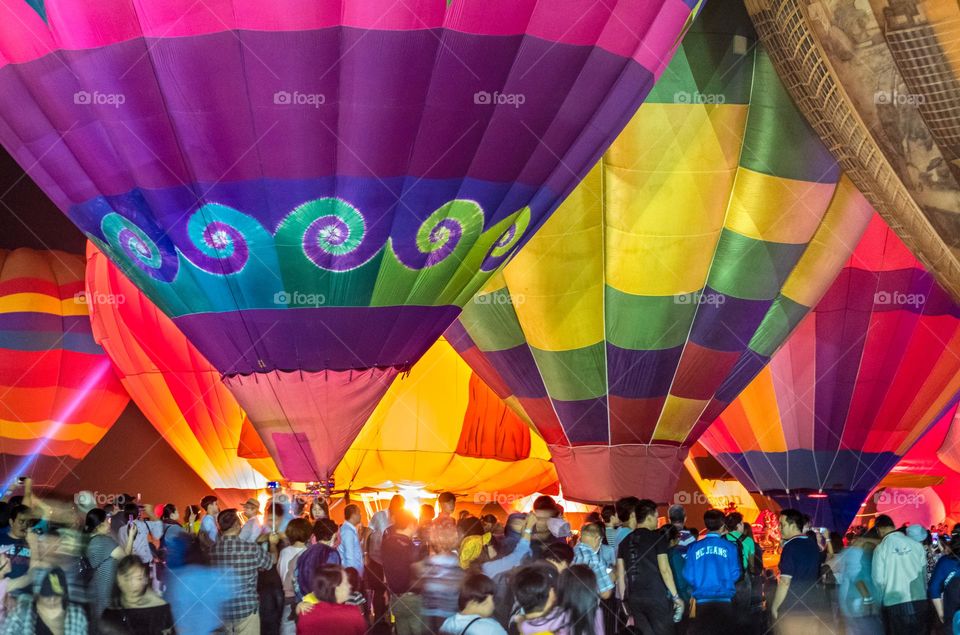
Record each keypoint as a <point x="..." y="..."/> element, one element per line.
<point x="324" y="618"/>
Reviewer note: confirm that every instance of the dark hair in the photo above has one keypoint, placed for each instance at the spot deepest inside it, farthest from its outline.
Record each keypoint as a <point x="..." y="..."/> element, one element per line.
<point x="672" y="532"/>
<point x="323" y="505"/>
<point x="131" y="509"/>
<point x="278" y="510"/>
<point x="192" y="510"/>
<point x="578" y="599"/>
<point x="95" y="517"/>
<point x="476" y="587"/>
<point x="607" y="512"/>
<point x="403" y="520"/>
<point x="349" y="511"/>
<point x="353" y="577"/>
<point x="47" y="585"/>
<point x="676" y="514"/>
<point x="427" y="513"/>
<point x="713" y="519"/>
<point x="326" y="579"/>
<point x="206" y="501"/>
<point x="126" y="564"/>
<point x="884" y="521"/>
<point x="228" y="519"/>
<point x="18" y="510"/>
<point x="645" y="508"/>
<point x="544" y="503"/>
<point x="447" y="497"/>
<point x="558" y="551"/>
<point x="470" y="526"/>
<point x="168" y="510"/>
<point x="299" y="530"/>
<point x="593" y="529"/>
<point x="732" y="520"/>
<point x="531" y="587"/>
<point x="324" y="529"/>
<point x="395" y="507"/>
<point x="626" y="507"/>
<point x="794" y="517"/>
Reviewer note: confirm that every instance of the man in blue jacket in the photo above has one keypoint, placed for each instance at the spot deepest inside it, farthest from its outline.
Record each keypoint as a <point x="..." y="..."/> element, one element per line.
<point x="712" y="569"/>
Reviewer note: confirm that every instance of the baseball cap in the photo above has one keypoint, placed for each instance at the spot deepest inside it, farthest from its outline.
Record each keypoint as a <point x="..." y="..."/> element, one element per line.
<point x="54" y="583"/>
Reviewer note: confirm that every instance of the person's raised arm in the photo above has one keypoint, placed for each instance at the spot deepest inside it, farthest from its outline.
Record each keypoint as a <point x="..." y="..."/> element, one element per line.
<point x="493" y="568"/>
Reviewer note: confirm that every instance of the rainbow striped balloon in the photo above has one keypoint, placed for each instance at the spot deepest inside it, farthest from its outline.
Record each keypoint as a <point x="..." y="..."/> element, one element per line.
<point x="866" y="373"/>
<point x="58" y="391"/>
<point x="664" y="283"/>
<point x="170" y="381"/>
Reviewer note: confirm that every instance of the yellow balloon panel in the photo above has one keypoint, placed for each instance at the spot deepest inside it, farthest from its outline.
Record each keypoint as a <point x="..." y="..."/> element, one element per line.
<point x="411" y="439"/>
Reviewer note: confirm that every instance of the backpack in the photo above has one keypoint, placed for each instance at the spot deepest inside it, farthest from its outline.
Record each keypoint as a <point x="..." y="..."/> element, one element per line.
<point x="85" y="570"/>
<point x="314" y="557"/>
<point x="743" y="587"/>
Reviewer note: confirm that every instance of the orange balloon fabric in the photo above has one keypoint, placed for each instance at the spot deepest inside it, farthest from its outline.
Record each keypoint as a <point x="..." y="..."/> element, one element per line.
<point x="491" y="430"/>
<point x="177" y="389"/>
<point x="414" y="438"/>
<point x="58" y="391"/>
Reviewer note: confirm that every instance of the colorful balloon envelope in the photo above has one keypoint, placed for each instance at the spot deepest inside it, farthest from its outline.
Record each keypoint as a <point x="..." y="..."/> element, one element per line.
<point x="442" y="429"/>
<point x="862" y="378"/>
<point x="311" y="190"/>
<point x="926" y="475"/>
<point x="177" y="389"/>
<point x="880" y="81"/>
<point x="58" y="391"/>
<point x="666" y="280"/>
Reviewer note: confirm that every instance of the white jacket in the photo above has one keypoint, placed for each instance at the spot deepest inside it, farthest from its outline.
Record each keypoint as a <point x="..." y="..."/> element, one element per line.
<point x="900" y="569"/>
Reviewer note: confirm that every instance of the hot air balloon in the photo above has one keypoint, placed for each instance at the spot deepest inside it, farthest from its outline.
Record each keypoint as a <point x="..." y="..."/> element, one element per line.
<point x="58" y="391"/>
<point x="173" y="385"/>
<point x="441" y="429"/>
<point x="860" y="380"/>
<point x="880" y="82"/>
<point x="414" y="438"/>
<point x="312" y="190"/>
<point x="922" y="483"/>
<point x="666" y="280"/>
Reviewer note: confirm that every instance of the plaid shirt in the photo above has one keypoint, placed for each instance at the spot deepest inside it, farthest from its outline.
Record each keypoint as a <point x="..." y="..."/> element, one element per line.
<point x="23" y="619"/>
<point x="244" y="559"/>
<point x="583" y="554"/>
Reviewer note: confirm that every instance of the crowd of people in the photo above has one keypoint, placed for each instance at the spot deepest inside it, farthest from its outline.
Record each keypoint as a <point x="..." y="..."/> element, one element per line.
<point x="136" y="568"/>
